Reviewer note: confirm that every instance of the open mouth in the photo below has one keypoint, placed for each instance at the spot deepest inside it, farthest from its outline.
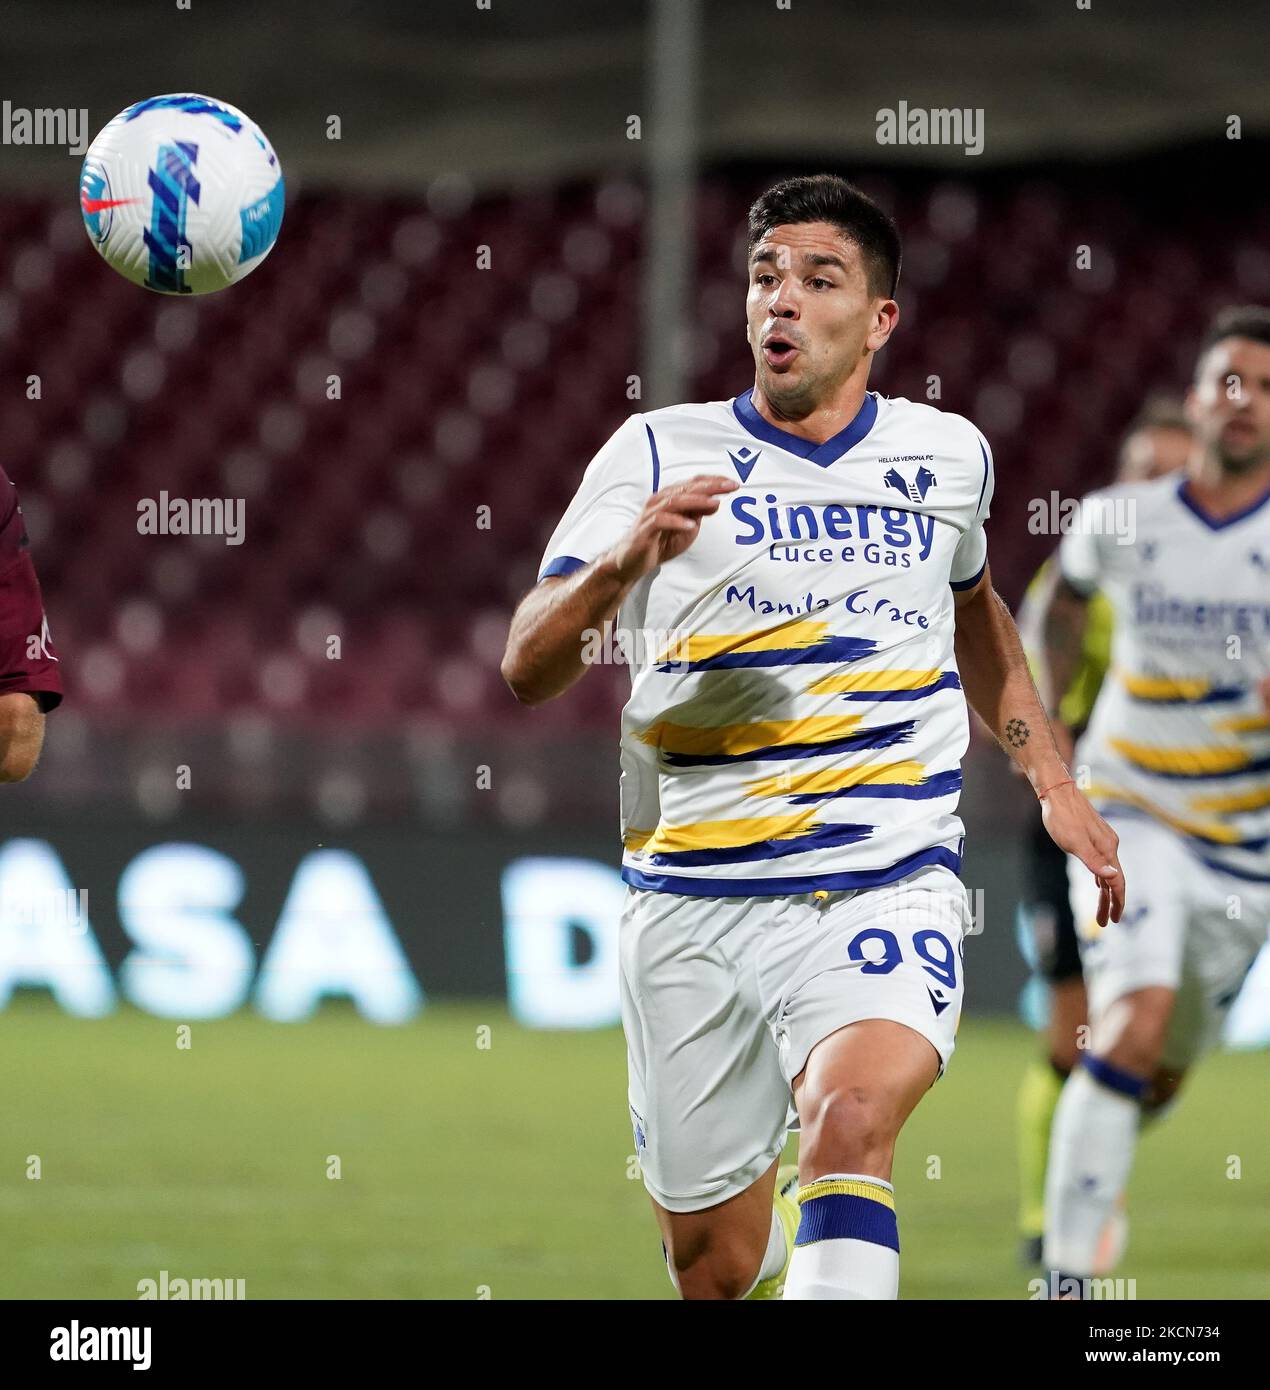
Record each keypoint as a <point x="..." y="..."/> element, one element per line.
<point x="779" y="352"/>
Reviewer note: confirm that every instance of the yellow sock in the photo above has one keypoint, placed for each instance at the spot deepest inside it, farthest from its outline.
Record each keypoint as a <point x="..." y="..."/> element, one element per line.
<point x="1038" y="1095"/>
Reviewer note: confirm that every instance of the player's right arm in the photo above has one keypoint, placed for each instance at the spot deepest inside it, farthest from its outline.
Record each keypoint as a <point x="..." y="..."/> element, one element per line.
<point x="1064" y="616"/>
<point x="545" y="645"/>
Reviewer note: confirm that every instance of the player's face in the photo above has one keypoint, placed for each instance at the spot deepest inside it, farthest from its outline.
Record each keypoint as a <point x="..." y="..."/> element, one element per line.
<point x="1229" y="405"/>
<point x="1153" y="452"/>
<point x="810" y="319"/>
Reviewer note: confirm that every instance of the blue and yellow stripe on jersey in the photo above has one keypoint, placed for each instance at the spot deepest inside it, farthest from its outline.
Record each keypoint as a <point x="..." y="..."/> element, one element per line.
<point x="832" y="881"/>
<point x="907" y="779"/>
<point x="1232" y="803"/>
<point x="690" y="745"/>
<point x="790" y="644"/>
<point x="744" y="840"/>
<point x="1195" y="762"/>
<point x="885" y="685"/>
<point x="1107" y="798"/>
<point x="1243" y="724"/>
<point x="1171" y="690"/>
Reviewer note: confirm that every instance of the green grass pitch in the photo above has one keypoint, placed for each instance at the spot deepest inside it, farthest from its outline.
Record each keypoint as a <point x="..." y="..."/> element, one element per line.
<point x="507" y="1168"/>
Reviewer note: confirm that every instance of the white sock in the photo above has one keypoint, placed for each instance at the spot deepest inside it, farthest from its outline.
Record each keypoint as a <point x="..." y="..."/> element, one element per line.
<point x="1091" y="1152"/>
<point x="847" y="1244"/>
<point x="774" y="1257"/>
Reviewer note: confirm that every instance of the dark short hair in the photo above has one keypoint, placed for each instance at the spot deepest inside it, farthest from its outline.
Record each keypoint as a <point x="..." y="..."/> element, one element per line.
<point x="828" y="198"/>
<point x="1160" y="413"/>
<point x="1238" y="321"/>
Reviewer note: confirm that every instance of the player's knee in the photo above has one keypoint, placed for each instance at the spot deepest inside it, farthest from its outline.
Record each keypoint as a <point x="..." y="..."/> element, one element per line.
<point x="709" y="1267"/>
<point x="851" y="1131"/>
<point x="1141" y="1043"/>
<point x="1134" y="1030"/>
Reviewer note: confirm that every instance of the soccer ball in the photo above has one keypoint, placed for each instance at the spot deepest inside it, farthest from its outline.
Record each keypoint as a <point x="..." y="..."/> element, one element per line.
<point x="182" y="194"/>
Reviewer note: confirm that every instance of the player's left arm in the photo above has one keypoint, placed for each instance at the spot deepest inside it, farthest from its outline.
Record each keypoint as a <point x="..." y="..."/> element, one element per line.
<point x="999" y="688"/>
<point x="21" y="735"/>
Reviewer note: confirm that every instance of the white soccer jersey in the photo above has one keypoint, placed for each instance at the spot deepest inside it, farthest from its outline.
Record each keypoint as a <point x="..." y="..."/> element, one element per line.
<point x="796" y="719"/>
<point x="1179" y="731"/>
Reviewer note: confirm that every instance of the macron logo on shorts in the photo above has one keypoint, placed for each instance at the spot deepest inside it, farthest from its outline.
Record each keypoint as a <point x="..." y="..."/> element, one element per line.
<point x="938" y="1002"/>
<point x="641" y="1142"/>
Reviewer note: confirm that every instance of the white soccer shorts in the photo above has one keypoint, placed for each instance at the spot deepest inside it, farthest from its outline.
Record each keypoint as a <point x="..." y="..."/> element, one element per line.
<point x="724" y="998"/>
<point x="1187" y="926"/>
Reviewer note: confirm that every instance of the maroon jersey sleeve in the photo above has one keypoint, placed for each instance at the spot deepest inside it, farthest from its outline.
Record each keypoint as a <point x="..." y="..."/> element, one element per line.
<point x="27" y="658"/>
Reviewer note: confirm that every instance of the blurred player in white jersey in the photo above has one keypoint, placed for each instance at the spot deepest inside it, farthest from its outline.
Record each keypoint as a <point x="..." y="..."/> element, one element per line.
<point x="802" y="574"/>
<point x="1158" y="442"/>
<point x="1178" y="759"/>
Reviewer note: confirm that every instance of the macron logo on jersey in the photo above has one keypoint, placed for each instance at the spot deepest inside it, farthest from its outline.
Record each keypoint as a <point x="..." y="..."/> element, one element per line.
<point x="743" y="461"/>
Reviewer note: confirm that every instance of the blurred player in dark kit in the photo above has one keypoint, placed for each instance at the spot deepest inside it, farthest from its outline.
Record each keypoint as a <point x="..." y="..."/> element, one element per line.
<point x="30" y="679"/>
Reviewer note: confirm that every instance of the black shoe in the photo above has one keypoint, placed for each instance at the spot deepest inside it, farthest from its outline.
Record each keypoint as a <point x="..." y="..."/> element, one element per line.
<point x="1030" y="1250"/>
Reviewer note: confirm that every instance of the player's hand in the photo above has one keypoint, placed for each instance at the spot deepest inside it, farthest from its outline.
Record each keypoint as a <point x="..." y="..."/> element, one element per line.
<point x="668" y="525"/>
<point x="1076" y="827"/>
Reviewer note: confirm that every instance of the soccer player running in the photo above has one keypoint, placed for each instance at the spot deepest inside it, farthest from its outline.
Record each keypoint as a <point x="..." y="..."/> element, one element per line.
<point x="1156" y="443"/>
<point x="30" y="683"/>
<point x="1178" y="756"/>
<point x="803" y="572"/>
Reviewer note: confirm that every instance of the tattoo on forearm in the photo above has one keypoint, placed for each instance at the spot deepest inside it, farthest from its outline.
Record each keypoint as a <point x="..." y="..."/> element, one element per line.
<point x="1016" y="733"/>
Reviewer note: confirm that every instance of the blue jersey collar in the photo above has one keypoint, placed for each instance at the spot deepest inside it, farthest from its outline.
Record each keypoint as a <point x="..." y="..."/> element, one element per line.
<point x="823" y="454"/>
<point x="1217" y="523"/>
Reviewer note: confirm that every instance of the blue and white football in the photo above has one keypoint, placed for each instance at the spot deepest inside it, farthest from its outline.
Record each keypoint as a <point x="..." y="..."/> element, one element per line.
<point x="182" y="194"/>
